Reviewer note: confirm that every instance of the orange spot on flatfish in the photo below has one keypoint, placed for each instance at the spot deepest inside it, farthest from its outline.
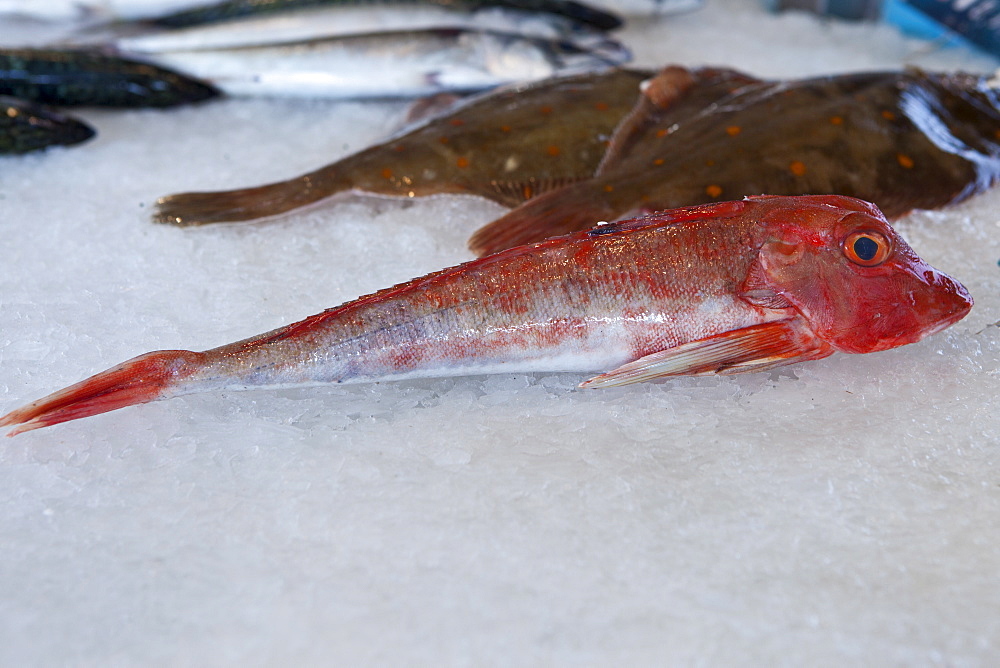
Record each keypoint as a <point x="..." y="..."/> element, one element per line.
<point x="797" y="167"/>
<point x="904" y="160"/>
<point x="546" y="110"/>
<point x="658" y="161"/>
<point x="443" y="140"/>
<point x="527" y="192"/>
<point x="462" y="162"/>
<point x="386" y="173"/>
<point x="713" y="190"/>
<point x="837" y="120"/>
<point x="888" y="115"/>
<point x="457" y="122"/>
<point x="601" y="106"/>
<point x="504" y="128"/>
<point x="608" y="188"/>
<point x="552" y="150"/>
<point x="662" y="132"/>
<point x="733" y="130"/>
<point x="709" y="163"/>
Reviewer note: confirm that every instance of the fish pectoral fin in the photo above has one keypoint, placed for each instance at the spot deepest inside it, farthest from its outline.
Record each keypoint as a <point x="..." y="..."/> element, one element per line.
<point x="754" y="348"/>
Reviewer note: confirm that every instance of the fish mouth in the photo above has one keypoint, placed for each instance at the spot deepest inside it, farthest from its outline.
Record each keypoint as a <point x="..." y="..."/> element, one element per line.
<point x="950" y="302"/>
<point x="948" y="321"/>
<point x="935" y="303"/>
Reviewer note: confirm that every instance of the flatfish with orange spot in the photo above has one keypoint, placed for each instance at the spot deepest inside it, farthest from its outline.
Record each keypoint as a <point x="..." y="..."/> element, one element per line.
<point x="495" y="146"/>
<point x="903" y="140"/>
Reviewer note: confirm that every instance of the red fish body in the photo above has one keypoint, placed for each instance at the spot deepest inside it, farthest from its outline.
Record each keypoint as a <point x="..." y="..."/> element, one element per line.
<point x="723" y="288"/>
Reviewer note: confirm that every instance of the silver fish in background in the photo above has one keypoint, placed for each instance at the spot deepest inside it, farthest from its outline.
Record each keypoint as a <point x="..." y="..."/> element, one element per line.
<point x="179" y="13"/>
<point x="646" y="7"/>
<point x="342" y="20"/>
<point x="392" y="65"/>
<point x="231" y="9"/>
<point x="26" y="127"/>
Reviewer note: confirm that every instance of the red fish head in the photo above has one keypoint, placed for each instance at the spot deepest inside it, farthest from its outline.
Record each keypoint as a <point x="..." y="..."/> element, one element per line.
<point x="858" y="284"/>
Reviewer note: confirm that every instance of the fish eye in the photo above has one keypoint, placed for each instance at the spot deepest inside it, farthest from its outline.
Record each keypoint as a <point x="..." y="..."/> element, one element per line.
<point x="868" y="249"/>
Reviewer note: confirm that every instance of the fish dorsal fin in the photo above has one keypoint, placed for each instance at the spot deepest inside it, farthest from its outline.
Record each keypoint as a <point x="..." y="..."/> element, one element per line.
<point x="684" y="214"/>
<point x="753" y="348"/>
<point x="572" y="209"/>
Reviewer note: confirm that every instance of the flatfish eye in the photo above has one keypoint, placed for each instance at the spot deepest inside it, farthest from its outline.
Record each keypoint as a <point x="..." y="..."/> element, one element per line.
<point x="868" y="249"/>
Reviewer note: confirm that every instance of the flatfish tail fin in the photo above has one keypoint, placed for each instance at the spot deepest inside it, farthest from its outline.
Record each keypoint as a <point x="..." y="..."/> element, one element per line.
<point x="244" y="204"/>
<point x="555" y="213"/>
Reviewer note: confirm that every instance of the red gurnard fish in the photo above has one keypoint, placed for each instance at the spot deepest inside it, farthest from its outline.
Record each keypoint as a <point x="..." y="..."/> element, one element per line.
<point x="720" y="288"/>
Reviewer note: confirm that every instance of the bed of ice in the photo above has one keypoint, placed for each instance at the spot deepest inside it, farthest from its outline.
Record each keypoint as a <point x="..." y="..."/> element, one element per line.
<point x="838" y="512"/>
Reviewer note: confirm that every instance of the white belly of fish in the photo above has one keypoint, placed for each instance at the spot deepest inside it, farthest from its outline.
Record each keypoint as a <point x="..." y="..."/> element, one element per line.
<point x="372" y="66"/>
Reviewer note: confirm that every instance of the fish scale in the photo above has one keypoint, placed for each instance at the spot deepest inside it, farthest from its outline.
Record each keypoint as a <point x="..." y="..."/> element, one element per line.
<point x="553" y="307"/>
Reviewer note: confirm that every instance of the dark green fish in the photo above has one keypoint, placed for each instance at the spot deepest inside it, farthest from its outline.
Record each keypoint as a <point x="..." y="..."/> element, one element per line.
<point x="26" y="127"/>
<point x="71" y="78"/>
<point x="508" y="146"/>
<point x="903" y="140"/>
<point x="231" y="9"/>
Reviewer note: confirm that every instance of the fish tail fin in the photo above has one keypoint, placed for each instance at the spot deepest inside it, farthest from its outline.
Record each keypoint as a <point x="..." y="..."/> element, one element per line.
<point x="555" y="213"/>
<point x="244" y="204"/>
<point x="139" y="380"/>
